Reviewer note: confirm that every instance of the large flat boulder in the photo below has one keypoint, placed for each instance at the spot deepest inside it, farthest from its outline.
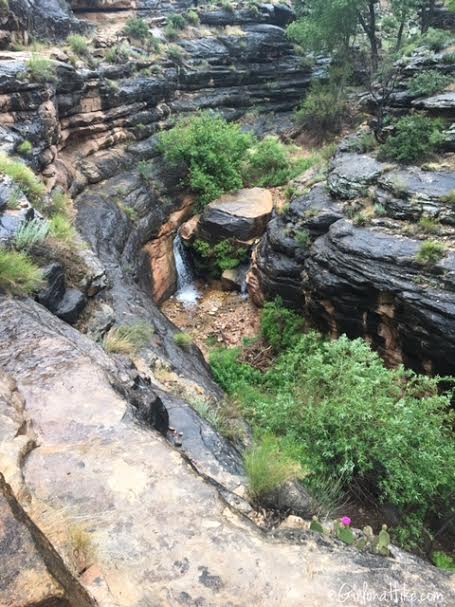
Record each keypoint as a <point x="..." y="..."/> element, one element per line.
<point x="242" y="216"/>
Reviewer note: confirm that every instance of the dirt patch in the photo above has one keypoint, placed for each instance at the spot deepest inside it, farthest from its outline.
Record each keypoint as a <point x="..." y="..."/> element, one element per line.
<point x="219" y="319"/>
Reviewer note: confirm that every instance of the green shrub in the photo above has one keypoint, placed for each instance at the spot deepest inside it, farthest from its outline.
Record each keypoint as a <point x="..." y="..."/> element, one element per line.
<point x="31" y="233"/>
<point x="24" y="177"/>
<point x="128" y="339"/>
<point x="385" y="433"/>
<point x="192" y="17"/>
<point x="224" y="255"/>
<point x="41" y="70"/>
<point x="323" y="110"/>
<point x="183" y="340"/>
<point x="280" y="327"/>
<point x="269" y="163"/>
<point x="431" y="252"/>
<point x="177" y="21"/>
<point x="415" y="138"/>
<point x="268" y="468"/>
<point x="25" y="148"/>
<point x="428" y="83"/>
<point x="60" y="203"/>
<point x="436" y="40"/>
<point x="171" y="32"/>
<point x="78" y="44"/>
<point x="18" y="274"/>
<point x="443" y="561"/>
<point x="209" y="152"/>
<point x="136" y="28"/>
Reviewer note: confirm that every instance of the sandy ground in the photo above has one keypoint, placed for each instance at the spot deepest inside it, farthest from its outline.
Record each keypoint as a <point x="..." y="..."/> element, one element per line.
<point x="220" y="318"/>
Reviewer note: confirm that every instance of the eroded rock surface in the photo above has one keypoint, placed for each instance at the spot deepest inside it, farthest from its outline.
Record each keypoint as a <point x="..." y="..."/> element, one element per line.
<point x="155" y="532"/>
<point x="355" y="272"/>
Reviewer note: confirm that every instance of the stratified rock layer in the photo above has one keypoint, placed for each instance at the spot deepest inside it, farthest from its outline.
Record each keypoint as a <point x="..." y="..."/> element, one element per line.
<point x="361" y="276"/>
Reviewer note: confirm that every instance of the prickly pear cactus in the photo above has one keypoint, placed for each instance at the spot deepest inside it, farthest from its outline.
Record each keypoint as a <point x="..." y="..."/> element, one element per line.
<point x="315" y="525"/>
<point x="344" y="534"/>
<point x="382" y="546"/>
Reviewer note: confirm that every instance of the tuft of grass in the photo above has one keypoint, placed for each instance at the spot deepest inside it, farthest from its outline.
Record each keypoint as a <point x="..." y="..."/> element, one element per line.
<point x="268" y="468"/>
<point x="18" y="274"/>
<point x="303" y="237"/>
<point x="431" y="252"/>
<point x="25" y="148"/>
<point x="31" y="233"/>
<point x="428" y="225"/>
<point x="61" y="204"/>
<point x="41" y="70"/>
<point x="81" y="548"/>
<point x="61" y="228"/>
<point x="24" y="177"/>
<point x="78" y="44"/>
<point x="192" y="17"/>
<point x="450" y="198"/>
<point x="128" y="339"/>
<point x="13" y="202"/>
<point x="183" y="340"/>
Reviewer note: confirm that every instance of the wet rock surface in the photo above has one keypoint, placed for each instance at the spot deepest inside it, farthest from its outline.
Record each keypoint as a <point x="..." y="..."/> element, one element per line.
<point x="95" y="467"/>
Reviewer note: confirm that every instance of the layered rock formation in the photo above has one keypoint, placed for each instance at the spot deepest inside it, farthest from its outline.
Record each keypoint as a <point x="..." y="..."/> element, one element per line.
<point x="360" y="276"/>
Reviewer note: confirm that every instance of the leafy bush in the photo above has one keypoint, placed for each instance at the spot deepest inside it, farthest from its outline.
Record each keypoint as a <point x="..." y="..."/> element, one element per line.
<point x="428" y="83"/>
<point x="225" y="255"/>
<point x="177" y="21"/>
<point x="323" y="110"/>
<point x="436" y="40"/>
<point x="431" y="252"/>
<point x="18" y="274"/>
<point x="450" y="198"/>
<point x="443" y="561"/>
<point x="78" y="44"/>
<point x="136" y="28"/>
<point x="31" y="233"/>
<point x="41" y="70"/>
<point x="414" y="139"/>
<point x="268" y="468"/>
<point x="341" y="414"/>
<point x="183" y="340"/>
<point x="269" y="163"/>
<point x="209" y="152"/>
<point x="128" y="339"/>
<point x="280" y="327"/>
<point x="25" y="148"/>
<point x="24" y="177"/>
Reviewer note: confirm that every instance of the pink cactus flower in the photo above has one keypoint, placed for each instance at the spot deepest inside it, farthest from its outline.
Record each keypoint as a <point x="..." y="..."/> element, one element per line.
<point x="346" y="521"/>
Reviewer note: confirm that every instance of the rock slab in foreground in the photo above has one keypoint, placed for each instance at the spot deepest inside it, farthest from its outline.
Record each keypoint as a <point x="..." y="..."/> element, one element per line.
<point x="242" y="216"/>
<point x="157" y="533"/>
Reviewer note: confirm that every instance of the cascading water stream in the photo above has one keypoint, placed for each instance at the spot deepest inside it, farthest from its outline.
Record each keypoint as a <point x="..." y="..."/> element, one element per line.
<point x="187" y="292"/>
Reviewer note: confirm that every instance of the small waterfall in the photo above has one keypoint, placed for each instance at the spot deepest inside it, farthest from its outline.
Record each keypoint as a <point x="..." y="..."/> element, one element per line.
<point x="187" y="292"/>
